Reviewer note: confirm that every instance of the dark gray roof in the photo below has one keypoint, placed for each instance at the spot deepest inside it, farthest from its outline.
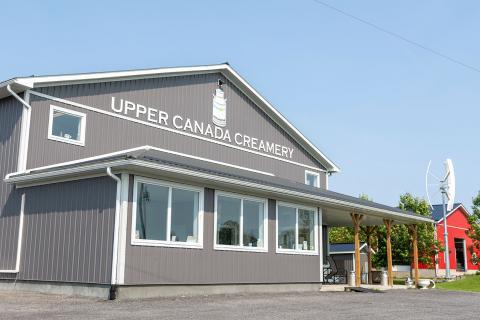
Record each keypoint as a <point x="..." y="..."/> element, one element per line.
<point x="437" y="211"/>
<point x="161" y="157"/>
<point x="343" y="247"/>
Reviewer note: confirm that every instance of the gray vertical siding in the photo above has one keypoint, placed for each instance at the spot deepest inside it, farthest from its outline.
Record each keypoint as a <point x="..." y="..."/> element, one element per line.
<point x="188" y="96"/>
<point x="10" y="127"/>
<point x="162" y="265"/>
<point x="68" y="231"/>
<point x="325" y="242"/>
<point x="345" y="261"/>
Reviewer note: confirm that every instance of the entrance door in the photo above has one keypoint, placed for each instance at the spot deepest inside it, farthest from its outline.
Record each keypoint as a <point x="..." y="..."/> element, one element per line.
<point x="460" y="254"/>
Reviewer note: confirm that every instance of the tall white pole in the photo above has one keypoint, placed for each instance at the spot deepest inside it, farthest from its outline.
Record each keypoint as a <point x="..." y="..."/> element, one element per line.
<point x="445" y="237"/>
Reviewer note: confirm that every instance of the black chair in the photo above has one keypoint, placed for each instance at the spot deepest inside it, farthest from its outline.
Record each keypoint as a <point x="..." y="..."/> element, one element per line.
<point x="331" y="271"/>
<point x="334" y="273"/>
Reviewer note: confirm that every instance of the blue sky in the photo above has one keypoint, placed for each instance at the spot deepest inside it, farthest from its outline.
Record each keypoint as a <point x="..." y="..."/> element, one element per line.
<point x="378" y="107"/>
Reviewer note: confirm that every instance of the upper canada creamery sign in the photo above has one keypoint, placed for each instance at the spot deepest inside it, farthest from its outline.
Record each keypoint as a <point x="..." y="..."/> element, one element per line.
<point x="217" y="131"/>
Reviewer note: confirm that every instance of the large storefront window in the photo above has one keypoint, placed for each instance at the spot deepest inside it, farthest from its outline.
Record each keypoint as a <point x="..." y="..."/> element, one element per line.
<point x="240" y="223"/>
<point x="166" y="214"/>
<point x="296" y="229"/>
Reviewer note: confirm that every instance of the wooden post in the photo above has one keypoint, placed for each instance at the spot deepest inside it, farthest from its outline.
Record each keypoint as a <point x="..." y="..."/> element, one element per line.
<point x="388" y="224"/>
<point x="369" y="230"/>
<point x="357" y="219"/>
<point x="413" y="233"/>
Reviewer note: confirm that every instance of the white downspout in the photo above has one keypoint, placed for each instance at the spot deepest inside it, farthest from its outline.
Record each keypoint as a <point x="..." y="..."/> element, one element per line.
<point x="116" y="226"/>
<point x="23" y="136"/>
<point x="15" y="95"/>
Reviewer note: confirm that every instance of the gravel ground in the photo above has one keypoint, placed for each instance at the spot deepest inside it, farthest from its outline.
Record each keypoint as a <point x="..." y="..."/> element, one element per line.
<point x="394" y="304"/>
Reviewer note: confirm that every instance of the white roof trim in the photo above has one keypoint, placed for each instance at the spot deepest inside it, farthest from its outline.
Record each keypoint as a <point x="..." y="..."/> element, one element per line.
<point x="347" y="252"/>
<point x="82" y="168"/>
<point x="226" y="69"/>
<point x="453" y="210"/>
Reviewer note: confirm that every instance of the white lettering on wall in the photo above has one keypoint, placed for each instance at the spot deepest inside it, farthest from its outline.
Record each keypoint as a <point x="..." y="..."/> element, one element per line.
<point x="193" y="126"/>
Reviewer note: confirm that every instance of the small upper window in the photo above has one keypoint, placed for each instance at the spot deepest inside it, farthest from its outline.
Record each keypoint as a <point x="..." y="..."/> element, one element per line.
<point x="312" y="179"/>
<point x="66" y="125"/>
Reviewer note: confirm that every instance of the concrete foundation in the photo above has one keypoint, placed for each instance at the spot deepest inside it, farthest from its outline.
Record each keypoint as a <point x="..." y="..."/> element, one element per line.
<point x="140" y="292"/>
<point x="69" y="289"/>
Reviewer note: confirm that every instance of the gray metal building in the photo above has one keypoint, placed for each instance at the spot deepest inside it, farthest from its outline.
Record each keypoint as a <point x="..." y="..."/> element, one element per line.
<point x="162" y="181"/>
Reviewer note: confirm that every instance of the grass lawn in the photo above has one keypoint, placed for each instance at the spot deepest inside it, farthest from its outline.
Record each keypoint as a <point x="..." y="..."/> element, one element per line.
<point x="469" y="283"/>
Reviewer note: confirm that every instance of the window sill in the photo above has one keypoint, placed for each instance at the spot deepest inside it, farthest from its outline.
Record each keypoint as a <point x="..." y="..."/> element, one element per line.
<point x="238" y="248"/>
<point x="65" y="140"/>
<point x="297" y="252"/>
<point x="153" y="243"/>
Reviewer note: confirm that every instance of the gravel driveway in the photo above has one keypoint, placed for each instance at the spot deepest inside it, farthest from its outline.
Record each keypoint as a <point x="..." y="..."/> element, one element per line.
<point x="394" y="304"/>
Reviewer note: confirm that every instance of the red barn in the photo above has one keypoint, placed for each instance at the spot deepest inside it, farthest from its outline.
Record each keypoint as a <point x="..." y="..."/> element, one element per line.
<point x="459" y="244"/>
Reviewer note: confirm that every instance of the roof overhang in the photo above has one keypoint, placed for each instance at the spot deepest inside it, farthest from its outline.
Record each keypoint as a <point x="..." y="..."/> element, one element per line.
<point x="352" y="251"/>
<point x="336" y="210"/>
<point x="461" y="207"/>
<point x="21" y="84"/>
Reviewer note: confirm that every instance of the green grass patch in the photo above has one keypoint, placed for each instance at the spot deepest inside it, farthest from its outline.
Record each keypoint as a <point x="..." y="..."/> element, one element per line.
<point x="469" y="283"/>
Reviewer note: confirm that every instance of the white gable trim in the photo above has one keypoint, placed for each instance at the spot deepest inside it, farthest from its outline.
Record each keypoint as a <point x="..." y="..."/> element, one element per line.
<point x="225" y="69"/>
<point x="460" y="206"/>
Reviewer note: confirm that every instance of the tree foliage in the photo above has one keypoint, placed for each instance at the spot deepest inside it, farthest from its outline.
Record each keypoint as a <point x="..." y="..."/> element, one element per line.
<point x="428" y="246"/>
<point x="474" y="219"/>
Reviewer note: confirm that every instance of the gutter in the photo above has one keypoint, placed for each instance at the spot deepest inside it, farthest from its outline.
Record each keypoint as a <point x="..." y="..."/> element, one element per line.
<point x="13" y="93"/>
<point x="113" y="285"/>
<point x="325" y="200"/>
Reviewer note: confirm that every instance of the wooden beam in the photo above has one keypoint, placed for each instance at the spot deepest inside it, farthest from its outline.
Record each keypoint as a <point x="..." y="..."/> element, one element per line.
<point x="369" y="231"/>
<point x="413" y="233"/>
<point x="388" y="224"/>
<point x="357" y="219"/>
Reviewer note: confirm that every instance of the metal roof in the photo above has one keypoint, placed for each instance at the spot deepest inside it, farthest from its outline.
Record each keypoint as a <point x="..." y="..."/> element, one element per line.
<point x="144" y="156"/>
<point x="344" y="247"/>
<point x="437" y="211"/>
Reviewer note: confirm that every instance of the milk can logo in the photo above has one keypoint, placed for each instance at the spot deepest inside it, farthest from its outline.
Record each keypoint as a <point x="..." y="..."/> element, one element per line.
<point x="219" y="106"/>
<point x="181" y="123"/>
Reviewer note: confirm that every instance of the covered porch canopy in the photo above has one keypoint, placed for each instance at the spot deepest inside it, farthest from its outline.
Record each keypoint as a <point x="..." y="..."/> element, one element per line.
<point x="337" y="209"/>
<point x="370" y="219"/>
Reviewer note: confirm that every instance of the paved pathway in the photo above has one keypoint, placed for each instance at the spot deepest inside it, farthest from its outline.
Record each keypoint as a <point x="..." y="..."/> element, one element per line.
<point x="394" y="304"/>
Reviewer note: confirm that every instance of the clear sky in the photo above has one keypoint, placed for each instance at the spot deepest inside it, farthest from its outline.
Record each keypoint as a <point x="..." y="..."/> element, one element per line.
<point x="378" y="107"/>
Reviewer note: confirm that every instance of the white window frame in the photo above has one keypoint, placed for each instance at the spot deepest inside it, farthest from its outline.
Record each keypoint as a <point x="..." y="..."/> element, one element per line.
<point x="83" y="121"/>
<point x="241" y="247"/>
<point x="168" y="242"/>
<point x="296" y="250"/>
<point x="313" y="173"/>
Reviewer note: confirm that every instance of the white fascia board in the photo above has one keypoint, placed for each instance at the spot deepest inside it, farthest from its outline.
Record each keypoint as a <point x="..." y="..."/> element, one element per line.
<point x="460" y="206"/>
<point x="14" y="85"/>
<point x="341" y="204"/>
<point x="342" y="252"/>
<point x="345" y="252"/>
<point x="52" y="175"/>
<point x="227" y="70"/>
<point x="45" y="81"/>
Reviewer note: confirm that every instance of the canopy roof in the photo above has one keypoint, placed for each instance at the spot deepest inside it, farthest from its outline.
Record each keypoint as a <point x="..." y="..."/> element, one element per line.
<point x="149" y="160"/>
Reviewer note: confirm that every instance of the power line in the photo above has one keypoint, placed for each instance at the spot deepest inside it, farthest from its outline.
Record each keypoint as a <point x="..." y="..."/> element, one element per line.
<point x="398" y="36"/>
